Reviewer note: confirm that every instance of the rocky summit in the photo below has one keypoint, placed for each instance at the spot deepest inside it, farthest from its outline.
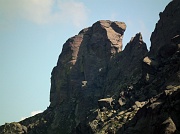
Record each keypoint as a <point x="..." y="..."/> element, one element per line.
<point x="98" y="88"/>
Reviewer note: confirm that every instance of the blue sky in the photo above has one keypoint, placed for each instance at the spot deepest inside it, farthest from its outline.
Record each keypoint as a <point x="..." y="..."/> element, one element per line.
<point x="32" y="33"/>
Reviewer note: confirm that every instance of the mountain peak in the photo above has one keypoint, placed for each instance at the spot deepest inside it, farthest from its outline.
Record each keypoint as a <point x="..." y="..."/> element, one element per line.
<point x="104" y="35"/>
<point x="88" y="51"/>
<point x="137" y="37"/>
<point x="98" y="88"/>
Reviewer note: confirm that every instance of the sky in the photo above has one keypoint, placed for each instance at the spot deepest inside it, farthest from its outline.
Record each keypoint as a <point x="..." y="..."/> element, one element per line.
<point x="32" y="33"/>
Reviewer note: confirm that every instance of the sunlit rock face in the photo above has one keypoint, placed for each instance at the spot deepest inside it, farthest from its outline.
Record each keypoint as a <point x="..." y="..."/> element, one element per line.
<point x="90" y="67"/>
<point x="83" y="55"/>
<point x="98" y="88"/>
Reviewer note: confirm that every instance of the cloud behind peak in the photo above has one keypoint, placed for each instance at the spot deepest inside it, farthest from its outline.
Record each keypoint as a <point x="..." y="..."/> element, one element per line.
<point x="44" y="11"/>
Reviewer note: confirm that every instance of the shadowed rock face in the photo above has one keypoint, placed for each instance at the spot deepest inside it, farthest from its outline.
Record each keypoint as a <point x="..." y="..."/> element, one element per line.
<point x="166" y="28"/>
<point x="96" y="88"/>
<point x="82" y="56"/>
<point x="73" y="82"/>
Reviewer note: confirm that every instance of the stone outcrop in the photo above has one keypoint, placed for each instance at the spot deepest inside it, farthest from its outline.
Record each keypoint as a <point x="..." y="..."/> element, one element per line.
<point x="83" y="56"/>
<point x="166" y="28"/>
<point x="13" y="128"/>
<point x="99" y="88"/>
<point x="159" y="115"/>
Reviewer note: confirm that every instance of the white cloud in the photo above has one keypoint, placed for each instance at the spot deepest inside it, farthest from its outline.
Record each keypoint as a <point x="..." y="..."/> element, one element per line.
<point x="38" y="11"/>
<point x="36" y="112"/>
<point x="32" y="114"/>
<point x="73" y="11"/>
<point x="22" y="118"/>
<point x="44" y="11"/>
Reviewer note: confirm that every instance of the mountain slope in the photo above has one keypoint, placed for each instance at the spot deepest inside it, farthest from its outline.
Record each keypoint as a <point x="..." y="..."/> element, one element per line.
<point x="98" y="88"/>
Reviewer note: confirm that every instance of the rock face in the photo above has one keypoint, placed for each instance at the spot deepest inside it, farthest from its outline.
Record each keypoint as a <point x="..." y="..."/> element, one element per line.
<point x="76" y="81"/>
<point x="82" y="57"/>
<point x="166" y="28"/>
<point x="96" y="88"/>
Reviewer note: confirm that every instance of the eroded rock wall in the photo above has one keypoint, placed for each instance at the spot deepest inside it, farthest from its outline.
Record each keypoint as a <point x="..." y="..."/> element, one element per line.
<point x="98" y="88"/>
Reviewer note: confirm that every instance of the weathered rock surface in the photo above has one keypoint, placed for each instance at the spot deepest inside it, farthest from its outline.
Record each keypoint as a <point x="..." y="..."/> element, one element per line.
<point x="83" y="56"/>
<point x="98" y="88"/>
<point x="13" y="128"/>
<point x="159" y="115"/>
<point x="166" y="28"/>
<point x="74" y="88"/>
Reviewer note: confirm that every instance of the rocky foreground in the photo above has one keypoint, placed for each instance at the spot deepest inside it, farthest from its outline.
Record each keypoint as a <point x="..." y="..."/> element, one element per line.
<point x="98" y="88"/>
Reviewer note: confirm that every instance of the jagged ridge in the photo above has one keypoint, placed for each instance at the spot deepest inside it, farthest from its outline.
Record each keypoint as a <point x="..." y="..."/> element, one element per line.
<point x="98" y="88"/>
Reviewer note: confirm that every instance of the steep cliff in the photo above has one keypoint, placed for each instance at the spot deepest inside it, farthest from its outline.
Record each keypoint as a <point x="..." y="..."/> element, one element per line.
<point x="82" y="57"/>
<point x="98" y="88"/>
